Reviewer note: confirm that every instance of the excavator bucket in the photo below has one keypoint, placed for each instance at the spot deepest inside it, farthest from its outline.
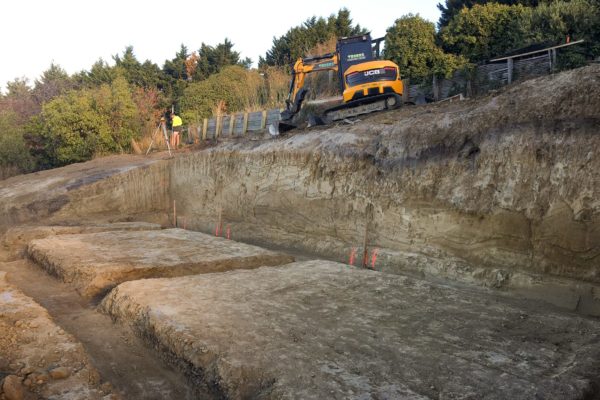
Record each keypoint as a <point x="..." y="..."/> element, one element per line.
<point x="279" y="127"/>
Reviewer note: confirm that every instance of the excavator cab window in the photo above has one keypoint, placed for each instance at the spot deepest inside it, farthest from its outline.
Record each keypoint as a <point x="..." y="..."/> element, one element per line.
<point x="353" y="50"/>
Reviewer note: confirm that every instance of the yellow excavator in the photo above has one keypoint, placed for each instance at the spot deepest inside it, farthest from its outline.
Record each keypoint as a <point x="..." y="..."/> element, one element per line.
<point x="367" y="83"/>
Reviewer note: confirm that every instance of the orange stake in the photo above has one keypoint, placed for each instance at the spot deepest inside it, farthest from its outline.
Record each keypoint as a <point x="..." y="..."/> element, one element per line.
<point x="174" y="214"/>
<point x="374" y="258"/>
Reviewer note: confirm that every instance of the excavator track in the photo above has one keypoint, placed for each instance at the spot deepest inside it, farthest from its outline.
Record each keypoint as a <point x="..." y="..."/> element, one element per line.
<point x="351" y="109"/>
<point x="363" y="106"/>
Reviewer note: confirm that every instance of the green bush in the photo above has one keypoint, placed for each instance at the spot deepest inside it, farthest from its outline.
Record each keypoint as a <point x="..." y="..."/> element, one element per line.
<point x="489" y="30"/>
<point x="82" y="124"/>
<point x="486" y="31"/>
<point x="14" y="155"/>
<point x="578" y="19"/>
<point x="237" y="87"/>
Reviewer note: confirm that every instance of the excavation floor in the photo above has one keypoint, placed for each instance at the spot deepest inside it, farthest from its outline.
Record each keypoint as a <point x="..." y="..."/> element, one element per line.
<point x="37" y="357"/>
<point x="134" y="370"/>
<point x="318" y="329"/>
<point x="17" y="238"/>
<point x="97" y="262"/>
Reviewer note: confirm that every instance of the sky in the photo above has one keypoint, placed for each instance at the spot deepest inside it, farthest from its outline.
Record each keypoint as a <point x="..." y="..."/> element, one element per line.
<point x="76" y="33"/>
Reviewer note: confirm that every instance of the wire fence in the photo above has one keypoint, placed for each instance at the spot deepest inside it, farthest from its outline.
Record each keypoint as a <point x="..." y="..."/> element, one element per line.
<point x="491" y="75"/>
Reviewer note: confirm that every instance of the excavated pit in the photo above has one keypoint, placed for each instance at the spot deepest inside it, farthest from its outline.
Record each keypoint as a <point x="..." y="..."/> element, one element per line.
<point x="319" y="329"/>
<point x="501" y="191"/>
<point x="95" y="263"/>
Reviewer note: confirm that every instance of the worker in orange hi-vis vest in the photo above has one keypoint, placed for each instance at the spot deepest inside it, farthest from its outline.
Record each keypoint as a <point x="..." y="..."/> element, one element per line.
<point x="176" y="123"/>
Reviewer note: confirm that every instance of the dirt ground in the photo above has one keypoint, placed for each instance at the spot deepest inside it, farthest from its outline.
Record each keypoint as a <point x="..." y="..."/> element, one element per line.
<point x="133" y="369"/>
<point x="95" y="263"/>
<point x="17" y="238"/>
<point x="38" y="358"/>
<point x="318" y="329"/>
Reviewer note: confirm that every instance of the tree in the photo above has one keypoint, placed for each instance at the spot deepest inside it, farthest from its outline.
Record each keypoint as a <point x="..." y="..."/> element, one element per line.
<point x="53" y="82"/>
<point x="411" y="43"/>
<point x="578" y="19"/>
<point x="115" y="104"/>
<point x="19" y="100"/>
<point x="18" y="87"/>
<point x="146" y="75"/>
<point x="176" y="75"/>
<point x="175" y="68"/>
<point x="489" y="30"/>
<point x="213" y="59"/>
<point x="80" y="124"/>
<point x="100" y="73"/>
<point x="343" y="24"/>
<point x="300" y="39"/>
<point x="452" y="7"/>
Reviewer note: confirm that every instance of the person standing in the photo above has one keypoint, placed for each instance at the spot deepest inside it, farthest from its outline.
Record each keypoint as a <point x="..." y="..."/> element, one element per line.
<point x="176" y="123"/>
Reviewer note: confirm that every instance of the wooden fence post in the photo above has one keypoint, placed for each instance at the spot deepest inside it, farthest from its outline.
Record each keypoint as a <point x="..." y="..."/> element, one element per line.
<point x="509" y="65"/>
<point x="263" y="122"/>
<point x="218" y="125"/>
<point x="245" y="124"/>
<point x="204" y="128"/>
<point x="231" y="122"/>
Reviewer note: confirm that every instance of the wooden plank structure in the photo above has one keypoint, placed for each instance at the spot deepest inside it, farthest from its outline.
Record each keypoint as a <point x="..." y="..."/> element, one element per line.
<point x="551" y="51"/>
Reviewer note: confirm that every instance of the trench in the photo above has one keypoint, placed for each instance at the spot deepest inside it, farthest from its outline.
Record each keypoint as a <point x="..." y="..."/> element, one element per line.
<point x="133" y="368"/>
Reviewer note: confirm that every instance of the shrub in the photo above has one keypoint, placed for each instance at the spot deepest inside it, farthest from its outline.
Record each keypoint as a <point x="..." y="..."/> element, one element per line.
<point x="237" y="87"/>
<point x="14" y="155"/>
<point x="82" y="124"/>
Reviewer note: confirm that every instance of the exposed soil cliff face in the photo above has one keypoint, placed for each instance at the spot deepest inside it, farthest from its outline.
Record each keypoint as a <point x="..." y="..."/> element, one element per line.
<point x="510" y="182"/>
<point x="93" y="191"/>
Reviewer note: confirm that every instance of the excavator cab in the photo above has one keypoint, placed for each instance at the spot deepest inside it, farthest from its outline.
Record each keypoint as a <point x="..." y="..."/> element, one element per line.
<point x="351" y="51"/>
<point x="363" y="76"/>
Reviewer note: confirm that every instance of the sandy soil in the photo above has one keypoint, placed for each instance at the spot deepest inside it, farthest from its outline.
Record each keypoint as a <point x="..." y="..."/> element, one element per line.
<point x="318" y="329"/>
<point x="16" y="239"/>
<point x="135" y="371"/>
<point x="38" y="358"/>
<point x="95" y="263"/>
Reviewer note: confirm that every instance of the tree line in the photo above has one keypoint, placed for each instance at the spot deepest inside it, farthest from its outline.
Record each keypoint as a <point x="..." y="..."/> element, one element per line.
<point x="62" y="118"/>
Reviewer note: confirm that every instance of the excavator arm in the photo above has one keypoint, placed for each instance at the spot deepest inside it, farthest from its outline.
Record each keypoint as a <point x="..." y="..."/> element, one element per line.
<point x="303" y="67"/>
